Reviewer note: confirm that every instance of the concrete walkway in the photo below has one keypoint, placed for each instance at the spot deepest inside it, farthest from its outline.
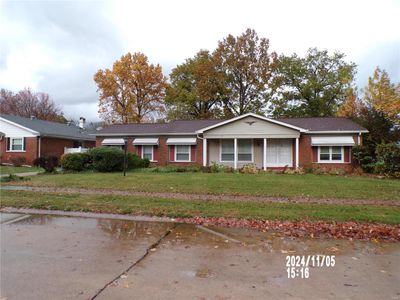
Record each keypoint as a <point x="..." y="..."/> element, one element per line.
<point x="21" y="174"/>
<point x="187" y="196"/>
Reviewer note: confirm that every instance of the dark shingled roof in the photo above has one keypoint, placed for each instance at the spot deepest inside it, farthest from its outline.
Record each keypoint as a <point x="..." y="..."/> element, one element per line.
<point x="51" y="129"/>
<point x="191" y="126"/>
<point x="323" y="124"/>
<point x="181" y="127"/>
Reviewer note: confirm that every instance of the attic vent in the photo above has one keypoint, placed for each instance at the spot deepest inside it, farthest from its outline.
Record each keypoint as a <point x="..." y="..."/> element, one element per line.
<point x="250" y="122"/>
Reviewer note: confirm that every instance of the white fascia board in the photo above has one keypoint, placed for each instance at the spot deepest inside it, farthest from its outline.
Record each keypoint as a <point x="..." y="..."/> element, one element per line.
<point x="142" y="134"/>
<point x="337" y="131"/>
<point x="20" y="126"/>
<point x="250" y="115"/>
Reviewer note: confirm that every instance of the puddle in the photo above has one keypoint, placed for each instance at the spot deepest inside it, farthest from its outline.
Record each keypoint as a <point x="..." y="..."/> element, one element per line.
<point x="117" y="229"/>
<point x="4" y="217"/>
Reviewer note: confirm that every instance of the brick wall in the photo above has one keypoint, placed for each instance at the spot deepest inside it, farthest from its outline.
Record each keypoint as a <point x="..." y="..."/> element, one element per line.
<point x="164" y="154"/>
<point x="55" y="146"/>
<point x="30" y="153"/>
<point x="308" y="155"/>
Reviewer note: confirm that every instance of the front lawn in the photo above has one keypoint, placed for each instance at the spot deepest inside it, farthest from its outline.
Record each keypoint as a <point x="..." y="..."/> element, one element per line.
<point x="202" y="208"/>
<point x="264" y="184"/>
<point x="13" y="170"/>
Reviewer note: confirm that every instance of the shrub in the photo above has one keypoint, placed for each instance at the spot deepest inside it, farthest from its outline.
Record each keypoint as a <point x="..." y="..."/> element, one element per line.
<point x="249" y="169"/>
<point x="48" y="163"/>
<point x="388" y="159"/>
<point x="216" y="168"/>
<point x="76" y="161"/>
<point x="364" y="159"/>
<point x="334" y="171"/>
<point x="298" y="171"/>
<point x="107" y="159"/>
<point x="135" y="162"/>
<point x="18" y="161"/>
<point x="12" y="177"/>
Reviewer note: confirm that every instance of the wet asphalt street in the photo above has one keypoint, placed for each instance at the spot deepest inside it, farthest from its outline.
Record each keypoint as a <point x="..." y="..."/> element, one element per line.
<point x="59" y="257"/>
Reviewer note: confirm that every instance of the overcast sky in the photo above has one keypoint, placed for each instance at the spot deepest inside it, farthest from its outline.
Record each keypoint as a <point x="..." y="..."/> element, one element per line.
<point x="57" y="46"/>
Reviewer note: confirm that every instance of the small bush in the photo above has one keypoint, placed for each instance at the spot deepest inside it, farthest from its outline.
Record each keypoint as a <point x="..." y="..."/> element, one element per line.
<point x="107" y="159"/>
<point x="216" y="168"/>
<point x="298" y="171"/>
<point x="76" y="161"/>
<point x="13" y="177"/>
<point x="364" y="159"/>
<point x="48" y="163"/>
<point x="18" y="161"/>
<point x="135" y="162"/>
<point x="388" y="159"/>
<point x="335" y="171"/>
<point x="249" y="169"/>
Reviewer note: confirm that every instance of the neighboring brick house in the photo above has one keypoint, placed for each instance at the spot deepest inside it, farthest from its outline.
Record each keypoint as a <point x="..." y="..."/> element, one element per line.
<point x="265" y="142"/>
<point x="26" y="139"/>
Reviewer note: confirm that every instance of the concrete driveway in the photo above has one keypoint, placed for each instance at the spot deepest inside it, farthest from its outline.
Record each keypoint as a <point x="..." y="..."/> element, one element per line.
<point x="58" y="257"/>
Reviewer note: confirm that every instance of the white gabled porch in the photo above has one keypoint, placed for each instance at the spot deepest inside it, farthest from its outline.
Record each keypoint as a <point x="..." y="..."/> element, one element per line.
<point x="251" y="139"/>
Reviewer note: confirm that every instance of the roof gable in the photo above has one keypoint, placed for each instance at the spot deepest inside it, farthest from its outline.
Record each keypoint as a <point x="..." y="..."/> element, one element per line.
<point x="277" y="122"/>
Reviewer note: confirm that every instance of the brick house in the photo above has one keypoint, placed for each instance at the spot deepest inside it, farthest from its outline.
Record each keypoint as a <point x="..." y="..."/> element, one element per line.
<point x="28" y="138"/>
<point x="268" y="143"/>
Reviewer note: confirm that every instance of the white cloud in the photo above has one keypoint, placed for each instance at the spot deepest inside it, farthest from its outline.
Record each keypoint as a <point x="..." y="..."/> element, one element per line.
<point x="56" y="47"/>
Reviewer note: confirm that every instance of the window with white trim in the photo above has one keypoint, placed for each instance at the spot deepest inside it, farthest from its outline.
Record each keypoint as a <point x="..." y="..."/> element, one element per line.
<point x="279" y="153"/>
<point x="245" y="150"/>
<point x="147" y="152"/>
<point x="330" y="154"/>
<point x="182" y="153"/>
<point x="16" y="144"/>
<point x="227" y="150"/>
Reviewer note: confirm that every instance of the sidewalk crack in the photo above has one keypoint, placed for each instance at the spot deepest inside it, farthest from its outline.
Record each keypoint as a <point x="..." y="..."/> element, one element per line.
<point x="147" y="252"/>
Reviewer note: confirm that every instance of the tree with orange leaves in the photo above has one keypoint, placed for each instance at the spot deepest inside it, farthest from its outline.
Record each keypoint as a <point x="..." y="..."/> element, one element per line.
<point x="132" y="91"/>
<point x="383" y="95"/>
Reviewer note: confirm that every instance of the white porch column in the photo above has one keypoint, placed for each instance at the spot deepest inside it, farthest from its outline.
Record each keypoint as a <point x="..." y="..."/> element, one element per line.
<point x="204" y="152"/>
<point x="235" y="153"/>
<point x="265" y="155"/>
<point x="297" y="153"/>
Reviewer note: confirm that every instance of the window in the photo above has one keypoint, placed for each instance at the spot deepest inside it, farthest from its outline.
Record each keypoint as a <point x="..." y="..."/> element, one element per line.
<point x="182" y="153"/>
<point x="15" y="144"/>
<point x="330" y="154"/>
<point x="245" y="150"/>
<point x="279" y="153"/>
<point x="227" y="150"/>
<point x="147" y="152"/>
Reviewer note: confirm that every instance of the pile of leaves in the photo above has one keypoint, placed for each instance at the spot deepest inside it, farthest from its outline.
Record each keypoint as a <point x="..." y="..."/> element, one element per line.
<point x="349" y="230"/>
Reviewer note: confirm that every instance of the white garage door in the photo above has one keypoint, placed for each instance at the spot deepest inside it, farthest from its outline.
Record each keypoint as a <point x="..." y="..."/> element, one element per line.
<point x="279" y="152"/>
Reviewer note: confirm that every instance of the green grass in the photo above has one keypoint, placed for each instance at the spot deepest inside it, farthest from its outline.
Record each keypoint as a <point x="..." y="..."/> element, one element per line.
<point x="265" y="184"/>
<point x="182" y="208"/>
<point x="13" y="170"/>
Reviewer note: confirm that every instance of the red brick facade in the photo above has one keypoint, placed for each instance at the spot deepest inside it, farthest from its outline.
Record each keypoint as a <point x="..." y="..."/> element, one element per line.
<point x="164" y="154"/>
<point x="48" y="146"/>
<point x="308" y="155"/>
<point x="29" y="155"/>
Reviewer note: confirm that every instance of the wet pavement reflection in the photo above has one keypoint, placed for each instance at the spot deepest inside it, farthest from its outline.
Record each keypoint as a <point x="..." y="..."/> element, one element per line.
<point x="58" y="257"/>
